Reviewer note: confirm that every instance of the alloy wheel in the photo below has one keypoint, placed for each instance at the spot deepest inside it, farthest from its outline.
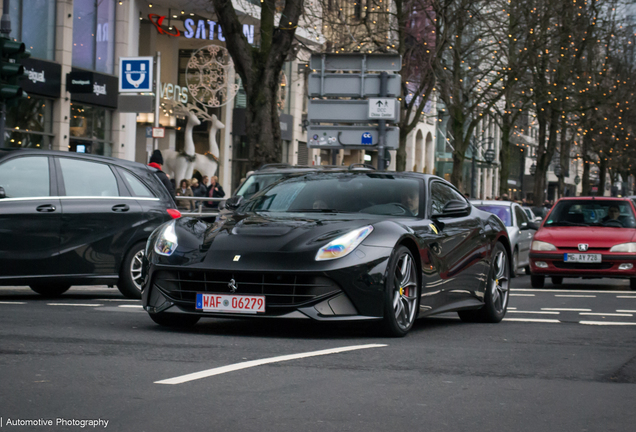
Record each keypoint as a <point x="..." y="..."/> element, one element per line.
<point x="135" y="268"/>
<point x="405" y="291"/>
<point x="500" y="282"/>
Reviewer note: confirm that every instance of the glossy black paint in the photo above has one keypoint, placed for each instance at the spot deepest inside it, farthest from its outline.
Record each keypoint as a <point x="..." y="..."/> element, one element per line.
<point x="452" y="254"/>
<point x="76" y="240"/>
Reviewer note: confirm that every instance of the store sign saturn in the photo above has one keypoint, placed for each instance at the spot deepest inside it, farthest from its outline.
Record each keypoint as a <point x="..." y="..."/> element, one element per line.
<point x="199" y="29"/>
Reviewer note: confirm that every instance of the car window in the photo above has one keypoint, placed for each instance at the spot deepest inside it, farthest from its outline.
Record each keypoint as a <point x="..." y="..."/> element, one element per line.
<point x="608" y="213"/>
<point x="520" y="216"/>
<point x="256" y="183"/>
<point x="501" y="211"/>
<point x="441" y="194"/>
<point x="88" y="179"/>
<point x="26" y="177"/>
<point x="139" y="189"/>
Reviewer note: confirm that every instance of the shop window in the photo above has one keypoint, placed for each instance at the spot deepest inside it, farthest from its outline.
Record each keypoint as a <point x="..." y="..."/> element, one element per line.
<point x="90" y="129"/>
<point x="30" y="124"/>
<point x="94" y="35"/>
<point x="33" y="22"/>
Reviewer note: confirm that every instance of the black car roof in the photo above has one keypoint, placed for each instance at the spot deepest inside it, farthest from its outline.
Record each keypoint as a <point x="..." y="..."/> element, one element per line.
<point x="4" y="152"/>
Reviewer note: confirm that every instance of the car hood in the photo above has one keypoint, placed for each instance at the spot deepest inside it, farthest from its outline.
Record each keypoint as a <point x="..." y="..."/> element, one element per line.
<point x="595" y="237"/>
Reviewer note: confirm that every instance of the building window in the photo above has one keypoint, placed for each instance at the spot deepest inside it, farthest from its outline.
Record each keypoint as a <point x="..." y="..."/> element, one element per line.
<point x="91" y="130"/>
<point x="33" y="22"/>
<point x="94" y="35"/>
<point x="30" y="124"/>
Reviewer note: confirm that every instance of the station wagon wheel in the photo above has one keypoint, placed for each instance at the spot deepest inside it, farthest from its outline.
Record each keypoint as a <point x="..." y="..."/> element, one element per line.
<point x="496" y="292"/>
<point x="130" y="280"/>
<point x="402" y="293"/>
<point x="50" y="289"/>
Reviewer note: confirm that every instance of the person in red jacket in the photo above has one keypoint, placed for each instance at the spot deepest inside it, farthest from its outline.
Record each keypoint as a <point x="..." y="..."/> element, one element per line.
<point x="156" y="161"/>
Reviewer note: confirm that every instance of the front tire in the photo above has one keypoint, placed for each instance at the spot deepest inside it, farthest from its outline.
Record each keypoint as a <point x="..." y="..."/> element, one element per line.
<point x="515" y="263"/>
<point x="557" y="280"/>
<point x="50" y="289"/>
<point x="174" y="320"/>
<point x="402" y="294"/>
<point x="632" y="284"/>
<point x="537" y="281"/>
<point x="497" y="291"/>
<point x="129" y="283"/>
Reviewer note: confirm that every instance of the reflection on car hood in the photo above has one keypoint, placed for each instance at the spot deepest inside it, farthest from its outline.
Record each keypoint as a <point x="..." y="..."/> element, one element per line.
<point x="595" y="237"/>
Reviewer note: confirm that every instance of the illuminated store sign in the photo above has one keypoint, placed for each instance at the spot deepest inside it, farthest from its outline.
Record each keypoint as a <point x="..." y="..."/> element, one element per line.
<point x="199" y="29"/>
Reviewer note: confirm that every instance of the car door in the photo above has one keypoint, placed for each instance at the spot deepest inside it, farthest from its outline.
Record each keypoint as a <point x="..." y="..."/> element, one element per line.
<point x="461" y="250"/>
<point x="525" y="235"/>
<point x="30" y="217"/>
<point x="99" y="217"/>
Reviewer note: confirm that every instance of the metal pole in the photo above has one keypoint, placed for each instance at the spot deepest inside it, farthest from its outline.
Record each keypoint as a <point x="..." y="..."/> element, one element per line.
<point x="473" y="173"/>
<point x="5" y="29"/>
<point x="155" y="141"/>
<point x="382" y="126"/>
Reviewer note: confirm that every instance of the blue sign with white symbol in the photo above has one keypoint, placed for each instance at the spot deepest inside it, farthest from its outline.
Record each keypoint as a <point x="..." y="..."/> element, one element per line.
<point x="135" y="74"/>
<point x="367" y="138"/>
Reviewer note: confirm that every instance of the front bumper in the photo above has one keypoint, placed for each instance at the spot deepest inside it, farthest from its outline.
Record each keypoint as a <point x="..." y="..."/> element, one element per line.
<point x="608" y="267"/>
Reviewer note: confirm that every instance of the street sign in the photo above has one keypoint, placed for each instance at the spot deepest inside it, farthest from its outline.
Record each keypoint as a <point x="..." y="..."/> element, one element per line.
<point x="353" y="111"/>
<point x="135" y="74"/>
<point x="350" y="137"/>
<point x="352" y="85"/>
<point x="382" y="108"/>
<point x="148" y="131"/>
<point x="158" y="132"/>
<point x="356" y="62"/>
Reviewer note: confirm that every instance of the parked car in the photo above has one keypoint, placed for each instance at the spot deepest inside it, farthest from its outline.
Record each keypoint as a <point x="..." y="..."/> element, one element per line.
<point x="520" y="229"/>
<point x="589" y="237"/>
<point x="69" y="219"/>
<point x="331" y="245"/>
<point x="532" y="217"/>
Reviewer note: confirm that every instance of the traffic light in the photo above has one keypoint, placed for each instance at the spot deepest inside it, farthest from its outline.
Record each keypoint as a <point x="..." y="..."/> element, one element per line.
<point x="11" y="70"/>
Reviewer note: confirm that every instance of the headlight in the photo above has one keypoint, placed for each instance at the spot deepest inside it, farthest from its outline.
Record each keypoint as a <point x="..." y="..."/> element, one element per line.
<point x="343" y="245"/>
<point x="542" y="246"/>
<point x="624" y="247"/>
<point x="166" y="243"/>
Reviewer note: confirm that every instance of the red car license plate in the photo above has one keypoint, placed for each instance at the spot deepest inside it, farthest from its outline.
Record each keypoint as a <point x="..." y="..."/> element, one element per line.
<point x="230" y="303"/>
<point x="582" y="258"/>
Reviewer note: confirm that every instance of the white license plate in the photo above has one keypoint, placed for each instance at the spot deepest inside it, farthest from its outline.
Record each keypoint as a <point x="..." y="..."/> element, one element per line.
<point x="584" y="258"/>
<point x="230" y="303"/>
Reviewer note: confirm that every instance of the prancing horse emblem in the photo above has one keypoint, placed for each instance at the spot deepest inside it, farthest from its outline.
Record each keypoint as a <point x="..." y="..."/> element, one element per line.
<point x="232" y="285"/>
<point x="583" y="247"/>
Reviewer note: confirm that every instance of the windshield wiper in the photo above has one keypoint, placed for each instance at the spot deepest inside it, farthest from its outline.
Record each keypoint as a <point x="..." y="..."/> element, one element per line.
<point x="565" y="223"/>
<point x="313" y="210"/>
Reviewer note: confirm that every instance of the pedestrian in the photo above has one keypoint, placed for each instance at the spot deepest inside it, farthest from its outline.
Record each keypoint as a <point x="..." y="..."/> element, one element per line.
<point x="156" y="161"/>
<point x="214" y="191"/>
<point x="198" y="189"/>
<point x="505" y="197"/>
<point x="205" y="181"/>
<point x="185" y="191"/>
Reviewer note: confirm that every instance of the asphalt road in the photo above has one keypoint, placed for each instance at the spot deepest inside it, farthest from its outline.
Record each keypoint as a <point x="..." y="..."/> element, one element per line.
<point x="564" y="360"/>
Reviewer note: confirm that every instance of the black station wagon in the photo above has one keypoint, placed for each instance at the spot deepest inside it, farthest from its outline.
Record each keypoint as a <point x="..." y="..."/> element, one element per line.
<point x="75" y="219"/>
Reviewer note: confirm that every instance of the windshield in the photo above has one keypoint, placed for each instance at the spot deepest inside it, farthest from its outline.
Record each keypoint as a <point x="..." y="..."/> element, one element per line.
<point x="502" y="211"/>
<point x="616" y="214"/>
<point x="256" y="183"/>
<point x="382" y="194"/>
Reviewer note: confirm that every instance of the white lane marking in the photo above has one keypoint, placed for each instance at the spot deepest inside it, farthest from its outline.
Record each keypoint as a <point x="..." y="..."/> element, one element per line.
<point x="606" y="314"/>
<point x="118" y="300"/>
<point x="12" y="302"/>
<point x="130" y="306"/>
<point x="522" y="295"/>
<point x="244" y="365"/>
<point x="625" y="311"/>
<point x="75" y="304"/>
<point x="567" y="309"/>
<point x="535" y="312"/>
<point x="625" y="296"/>
<point x="566" y="295"/>
<point x="601" y="323"/>
<point x="567" y="291"/>
<point x="535" y="320"/>
<point x="510" y="308"/>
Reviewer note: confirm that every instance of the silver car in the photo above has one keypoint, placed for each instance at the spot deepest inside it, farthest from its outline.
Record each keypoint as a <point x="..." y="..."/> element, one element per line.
<point x="520" y="229"/>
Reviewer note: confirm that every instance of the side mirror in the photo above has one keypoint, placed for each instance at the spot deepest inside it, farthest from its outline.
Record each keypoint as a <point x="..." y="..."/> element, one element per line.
<point x="533" y="225"/>
<point x="234" y="202"/>
<point x="455" y="208"/>
<point x="2" y="193"/>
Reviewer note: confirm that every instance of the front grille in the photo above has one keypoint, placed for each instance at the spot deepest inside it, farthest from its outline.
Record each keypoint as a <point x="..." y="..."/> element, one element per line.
<point x="583" y="266"/>
<point x="280" y="290"/>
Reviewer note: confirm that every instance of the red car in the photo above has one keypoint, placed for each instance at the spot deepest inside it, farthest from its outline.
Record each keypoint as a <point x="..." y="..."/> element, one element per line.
<point x="590" y="237"/>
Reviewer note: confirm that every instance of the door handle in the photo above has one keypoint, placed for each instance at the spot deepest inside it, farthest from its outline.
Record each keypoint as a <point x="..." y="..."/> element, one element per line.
<point x="120" y="208"/>
<point x="45" y="208"/>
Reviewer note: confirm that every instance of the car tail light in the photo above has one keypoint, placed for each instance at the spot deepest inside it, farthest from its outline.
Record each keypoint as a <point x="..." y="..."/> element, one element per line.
<point x="174" y="213"/>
